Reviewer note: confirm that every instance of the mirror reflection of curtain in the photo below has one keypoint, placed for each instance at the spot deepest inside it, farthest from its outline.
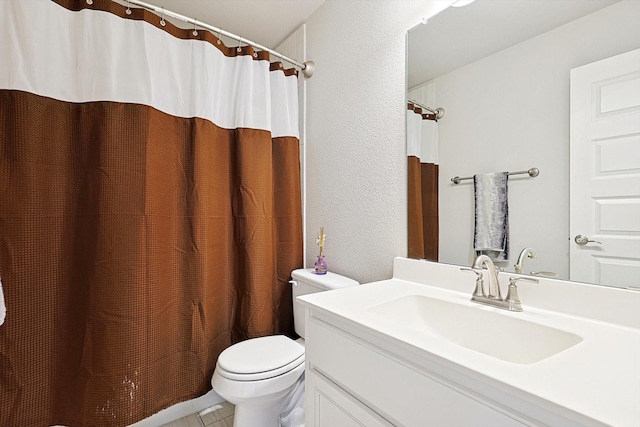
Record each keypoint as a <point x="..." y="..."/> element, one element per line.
<point x="150" y="210"/>
<point x="422" y="153"/>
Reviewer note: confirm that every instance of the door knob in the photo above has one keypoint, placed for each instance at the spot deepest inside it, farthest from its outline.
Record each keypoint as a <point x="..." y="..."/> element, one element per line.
<point x="583" y="240"/>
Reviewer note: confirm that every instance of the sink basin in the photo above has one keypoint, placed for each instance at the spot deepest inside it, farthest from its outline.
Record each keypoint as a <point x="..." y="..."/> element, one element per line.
<point x="492" y="333"/>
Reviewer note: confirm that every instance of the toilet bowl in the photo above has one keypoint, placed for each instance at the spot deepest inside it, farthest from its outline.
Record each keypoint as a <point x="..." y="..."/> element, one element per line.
<point x="256" y="376"/>
<point x="259" y="375"/>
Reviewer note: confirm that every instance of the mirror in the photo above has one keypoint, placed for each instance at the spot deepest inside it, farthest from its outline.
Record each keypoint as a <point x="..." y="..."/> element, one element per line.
<point x="501" y="71"/>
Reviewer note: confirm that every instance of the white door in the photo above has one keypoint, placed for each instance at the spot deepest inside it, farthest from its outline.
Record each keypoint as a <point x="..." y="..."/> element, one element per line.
<point x="605" y="172"/>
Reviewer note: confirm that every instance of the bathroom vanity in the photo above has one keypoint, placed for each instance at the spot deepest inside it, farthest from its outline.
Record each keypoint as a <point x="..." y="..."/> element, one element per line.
<point x="415" y="351"/>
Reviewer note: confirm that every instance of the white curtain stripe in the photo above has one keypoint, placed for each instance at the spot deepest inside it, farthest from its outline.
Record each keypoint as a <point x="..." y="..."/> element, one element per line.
<point x="422" y="138"/>
<point x="123" y="60"/>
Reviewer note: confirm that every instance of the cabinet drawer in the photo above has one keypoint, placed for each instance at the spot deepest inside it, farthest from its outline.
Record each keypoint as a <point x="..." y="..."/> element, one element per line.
<point x="401" y="393"/>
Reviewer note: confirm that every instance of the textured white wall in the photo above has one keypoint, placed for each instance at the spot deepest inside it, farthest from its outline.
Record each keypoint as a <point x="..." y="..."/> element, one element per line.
<point x="356" y="161"/>
<point x="510" y="112"/>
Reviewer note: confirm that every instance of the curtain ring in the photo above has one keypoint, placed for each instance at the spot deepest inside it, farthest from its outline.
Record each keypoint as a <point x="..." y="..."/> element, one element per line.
<point x="89" y="1"/>
<point x="195" y="30"/>
<point x="219" y="37"/>
<point x="128" y="11"/>
<point x="239" y="48"/>
<point x="162" y="21"/>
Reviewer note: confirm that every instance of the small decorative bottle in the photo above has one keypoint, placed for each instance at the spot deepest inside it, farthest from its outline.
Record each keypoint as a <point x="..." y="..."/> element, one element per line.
<point x="321" y="264"/>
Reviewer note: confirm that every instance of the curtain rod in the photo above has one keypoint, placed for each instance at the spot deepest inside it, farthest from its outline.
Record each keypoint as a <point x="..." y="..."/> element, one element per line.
<point x="533" y="172"/>
<point x="307" y="67"/>
<point x="439" y="112"/>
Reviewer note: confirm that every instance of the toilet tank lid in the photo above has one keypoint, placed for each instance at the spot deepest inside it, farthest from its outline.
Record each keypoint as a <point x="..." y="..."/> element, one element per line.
<point x="325" y="281"/>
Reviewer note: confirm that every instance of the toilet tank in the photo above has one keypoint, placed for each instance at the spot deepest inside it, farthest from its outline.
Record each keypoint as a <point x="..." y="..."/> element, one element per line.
<point x="304" y="282"/>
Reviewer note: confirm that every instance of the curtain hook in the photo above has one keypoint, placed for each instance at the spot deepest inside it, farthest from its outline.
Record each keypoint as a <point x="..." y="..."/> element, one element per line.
<point x="128" y="11"/>
<point x="195" y="30"/>
<point x="162" y="21"/>
<point x="219" y="36"/>
<point x="89" y="2"/>
<point x="239" y="49"/>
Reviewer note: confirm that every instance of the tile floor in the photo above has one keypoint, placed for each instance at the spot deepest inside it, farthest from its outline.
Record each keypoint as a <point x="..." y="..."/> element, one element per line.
<point x="220" y="415"/>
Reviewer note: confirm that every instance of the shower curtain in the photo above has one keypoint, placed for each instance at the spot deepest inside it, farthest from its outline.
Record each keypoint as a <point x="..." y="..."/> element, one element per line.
<point x="150" y="209"/>
<point x="422" y="153"/>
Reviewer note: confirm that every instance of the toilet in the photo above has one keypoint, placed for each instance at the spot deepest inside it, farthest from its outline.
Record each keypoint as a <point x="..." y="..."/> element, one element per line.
<point x="258" y="375"/>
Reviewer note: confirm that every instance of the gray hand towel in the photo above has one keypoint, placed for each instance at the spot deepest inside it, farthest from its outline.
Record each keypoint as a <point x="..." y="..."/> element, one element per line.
<point x="491" y="235"/>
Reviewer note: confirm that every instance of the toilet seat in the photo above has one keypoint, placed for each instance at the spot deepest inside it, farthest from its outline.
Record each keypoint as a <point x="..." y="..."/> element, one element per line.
<point x="260" y="358"/>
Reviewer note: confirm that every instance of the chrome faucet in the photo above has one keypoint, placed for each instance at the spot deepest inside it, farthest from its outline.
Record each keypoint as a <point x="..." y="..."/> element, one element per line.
<point x="528" y="252"/>
<point x="493" y="297"/>
<point x="494" y="286"/>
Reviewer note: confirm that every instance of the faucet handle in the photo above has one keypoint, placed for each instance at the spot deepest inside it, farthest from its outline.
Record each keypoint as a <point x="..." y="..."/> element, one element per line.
<point x="512" y="294"/>
<point x="479" y="291"/>
<point x="473" y="270"/>
<point x="513" y="280"/>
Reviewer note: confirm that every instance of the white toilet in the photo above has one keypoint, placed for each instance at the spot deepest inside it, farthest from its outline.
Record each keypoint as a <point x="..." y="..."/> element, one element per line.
<point x="258" y="374"/>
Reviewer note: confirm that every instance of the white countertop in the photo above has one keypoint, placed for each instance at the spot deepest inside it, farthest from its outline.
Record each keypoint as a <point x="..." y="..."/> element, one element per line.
<point x="598" y="378"/>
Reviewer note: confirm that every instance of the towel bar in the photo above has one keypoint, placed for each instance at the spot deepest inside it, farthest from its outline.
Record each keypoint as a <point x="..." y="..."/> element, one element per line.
<point x="533" y="172"/>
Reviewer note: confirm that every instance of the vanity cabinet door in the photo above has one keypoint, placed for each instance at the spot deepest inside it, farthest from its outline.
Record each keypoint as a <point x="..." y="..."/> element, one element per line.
<point x="328" y="406"/>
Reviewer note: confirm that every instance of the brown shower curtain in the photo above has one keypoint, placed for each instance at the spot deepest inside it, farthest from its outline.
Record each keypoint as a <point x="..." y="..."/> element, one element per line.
<point x="135" y="246"/>
<point x="422" y="191"/>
